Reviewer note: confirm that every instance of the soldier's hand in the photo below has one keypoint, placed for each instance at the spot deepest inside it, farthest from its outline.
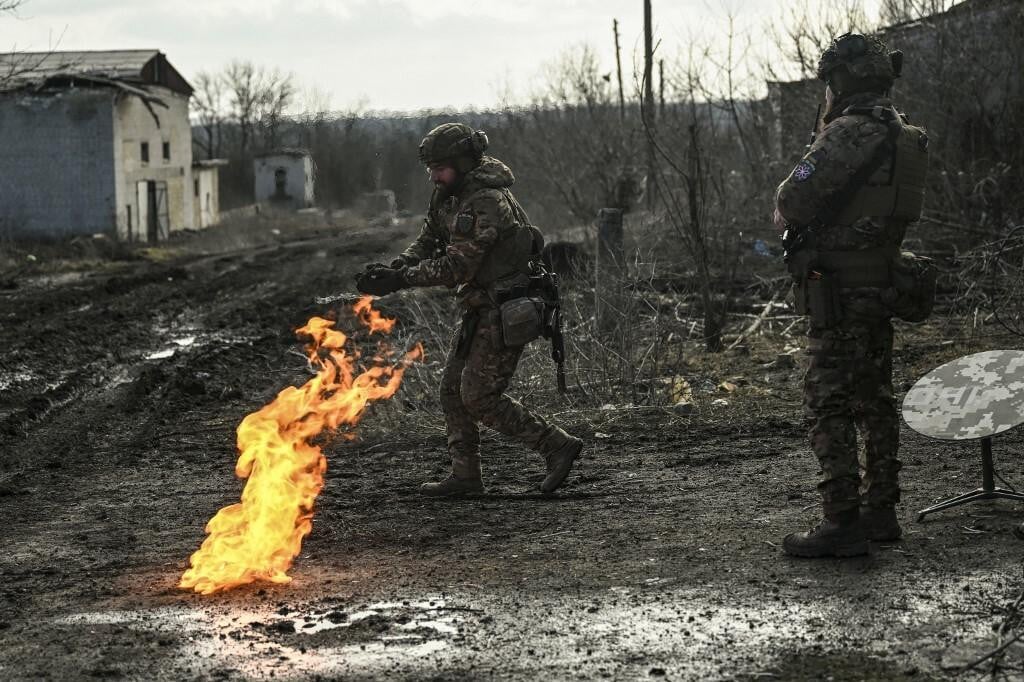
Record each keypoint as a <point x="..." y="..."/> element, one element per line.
<point x="381" y="281"/>
<point x="779" y="220"/>
<point x="375" y="266"/>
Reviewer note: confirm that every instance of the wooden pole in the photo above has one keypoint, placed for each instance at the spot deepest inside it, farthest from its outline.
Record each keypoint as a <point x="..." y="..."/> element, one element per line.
<point x="618" y="70"/>
<point x="661" y="88"/>
<point x="649" y="101"/>
<point x="608" y="268"/>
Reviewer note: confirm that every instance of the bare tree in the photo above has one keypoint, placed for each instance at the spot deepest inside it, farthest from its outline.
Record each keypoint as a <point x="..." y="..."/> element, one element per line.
<point x="578" y="140"/>
<point x="894" y="12"/>
<point x="208" y="100"/>
<point x="242" y="81"/>
<point x="805" y="30"/>
<point x="259" y="99"/>
<point x="276" y="93"/>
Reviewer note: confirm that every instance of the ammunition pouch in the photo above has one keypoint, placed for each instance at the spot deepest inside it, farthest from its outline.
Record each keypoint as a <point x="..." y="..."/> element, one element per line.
<point x="522" y="320"/>
<point x="911" y="296"/>
<point x="817" y="296"/>
<point x="866" y="268"/>
<point x="820" y="277"/>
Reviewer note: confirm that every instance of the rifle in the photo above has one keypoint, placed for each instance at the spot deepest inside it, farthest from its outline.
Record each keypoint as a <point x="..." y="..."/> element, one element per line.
<point x="553" y="323"/>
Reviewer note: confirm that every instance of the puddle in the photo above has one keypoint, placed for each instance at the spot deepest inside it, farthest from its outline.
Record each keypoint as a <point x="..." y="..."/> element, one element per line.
<point x="54" y="280"/>
<point x="720" y="633"/>
<point x="325" y="641"/>
<point x="161" y="354"/>
<point x="14" y="378"/>
<point x="420" y="616"/>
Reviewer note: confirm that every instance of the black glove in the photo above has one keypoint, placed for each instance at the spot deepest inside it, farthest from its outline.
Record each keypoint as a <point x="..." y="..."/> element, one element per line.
<point x="375" y="266"/>
<point x="381" y="281"/>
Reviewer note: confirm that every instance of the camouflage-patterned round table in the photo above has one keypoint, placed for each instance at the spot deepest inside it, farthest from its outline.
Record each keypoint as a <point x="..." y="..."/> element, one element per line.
<point x="974" y="397"/>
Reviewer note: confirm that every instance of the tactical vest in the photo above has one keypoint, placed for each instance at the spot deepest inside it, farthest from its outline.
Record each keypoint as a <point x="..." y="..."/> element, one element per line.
<point x="895" y="189"/>
<point x="514" y="252"/>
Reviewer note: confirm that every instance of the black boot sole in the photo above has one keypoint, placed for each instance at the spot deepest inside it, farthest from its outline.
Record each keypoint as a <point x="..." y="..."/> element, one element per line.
<point x="454" y="493"/>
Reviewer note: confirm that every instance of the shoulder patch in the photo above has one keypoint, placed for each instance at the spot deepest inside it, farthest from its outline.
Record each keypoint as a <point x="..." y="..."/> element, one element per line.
<point x="803" y="170"/>
<point x="464" y="223"/>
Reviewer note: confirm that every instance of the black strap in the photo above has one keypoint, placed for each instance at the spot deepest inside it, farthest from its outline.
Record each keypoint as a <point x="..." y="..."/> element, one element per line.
<point x="842" y="197"/>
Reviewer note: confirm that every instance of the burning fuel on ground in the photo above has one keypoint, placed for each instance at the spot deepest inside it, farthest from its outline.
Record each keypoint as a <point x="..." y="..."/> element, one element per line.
<point x="259" y="537"/>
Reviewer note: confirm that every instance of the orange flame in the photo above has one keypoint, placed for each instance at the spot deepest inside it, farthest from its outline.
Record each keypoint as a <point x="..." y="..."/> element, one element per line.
<point x="258" y="538"/>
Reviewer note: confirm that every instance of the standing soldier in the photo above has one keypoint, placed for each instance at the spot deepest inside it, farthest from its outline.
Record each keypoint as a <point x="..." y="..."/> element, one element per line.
<point x="846" y="207"/>
<point x="476" y="237"/>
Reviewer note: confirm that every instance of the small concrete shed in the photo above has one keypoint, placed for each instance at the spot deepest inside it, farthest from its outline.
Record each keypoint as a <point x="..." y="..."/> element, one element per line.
<point x="284" y="178"/>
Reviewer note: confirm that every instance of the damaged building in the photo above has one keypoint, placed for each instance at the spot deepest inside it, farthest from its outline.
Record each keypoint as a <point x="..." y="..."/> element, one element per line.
<point x="961" y="70"/>
<point x="99" y="142"/>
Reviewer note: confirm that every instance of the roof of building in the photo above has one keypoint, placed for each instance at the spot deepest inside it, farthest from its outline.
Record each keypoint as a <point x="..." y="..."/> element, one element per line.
<point x="209" y="163"/>
<point x="108" y="67"/>
<point x="284" y="151"/>
<point x="954" y="11"/>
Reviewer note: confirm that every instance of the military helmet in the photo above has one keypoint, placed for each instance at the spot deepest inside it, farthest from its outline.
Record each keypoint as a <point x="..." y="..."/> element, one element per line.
<point x="866" y="59"/>
<point x="452" y="142"/>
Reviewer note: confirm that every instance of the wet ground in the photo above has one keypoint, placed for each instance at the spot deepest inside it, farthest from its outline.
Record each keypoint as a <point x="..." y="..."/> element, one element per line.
<point x="121" y="385"/>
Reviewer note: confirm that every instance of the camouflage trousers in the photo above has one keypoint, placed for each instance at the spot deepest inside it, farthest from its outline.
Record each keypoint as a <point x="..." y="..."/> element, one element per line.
<point x="476" y="374"/>
<point x="848" y="387"/>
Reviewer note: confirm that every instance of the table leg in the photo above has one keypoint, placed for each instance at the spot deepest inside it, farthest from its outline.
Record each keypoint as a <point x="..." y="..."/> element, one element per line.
<point x="987" y="491"/>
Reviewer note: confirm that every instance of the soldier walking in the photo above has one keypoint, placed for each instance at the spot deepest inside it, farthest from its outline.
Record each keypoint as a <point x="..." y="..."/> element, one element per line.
<point x="846" y="207"/>
<point x="476" y="238"/>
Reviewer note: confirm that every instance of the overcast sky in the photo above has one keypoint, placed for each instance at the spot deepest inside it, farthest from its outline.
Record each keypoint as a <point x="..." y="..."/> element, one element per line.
<point x="384" y="54"/>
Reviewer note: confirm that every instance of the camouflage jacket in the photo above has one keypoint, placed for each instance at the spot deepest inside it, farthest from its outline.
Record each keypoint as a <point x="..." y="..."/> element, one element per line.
<point x="845" y="144"/>
<point x="455" y="253"/>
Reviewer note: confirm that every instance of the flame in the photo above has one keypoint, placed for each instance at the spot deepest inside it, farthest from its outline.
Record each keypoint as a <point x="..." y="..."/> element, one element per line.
<point x="258" y="538"/>
<point x="370" y="317"/>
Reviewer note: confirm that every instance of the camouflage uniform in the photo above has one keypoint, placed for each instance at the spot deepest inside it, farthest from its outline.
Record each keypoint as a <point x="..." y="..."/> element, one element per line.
<point x="470" y="255"/>
<point x="848" y="384"/>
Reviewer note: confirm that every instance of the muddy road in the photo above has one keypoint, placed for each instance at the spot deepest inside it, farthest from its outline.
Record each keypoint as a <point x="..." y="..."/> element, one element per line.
<point x="121" y="386"/>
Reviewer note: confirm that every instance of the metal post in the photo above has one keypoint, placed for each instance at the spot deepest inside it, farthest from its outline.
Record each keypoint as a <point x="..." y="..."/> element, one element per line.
<point x="988" y="483"/>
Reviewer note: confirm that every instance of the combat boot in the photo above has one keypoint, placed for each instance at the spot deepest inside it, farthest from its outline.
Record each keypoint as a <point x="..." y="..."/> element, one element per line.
<point x="880" y="523"/>
<point x="464" y="479"/>
<point x="836" y="535"/>
<point x="560" y="452"/>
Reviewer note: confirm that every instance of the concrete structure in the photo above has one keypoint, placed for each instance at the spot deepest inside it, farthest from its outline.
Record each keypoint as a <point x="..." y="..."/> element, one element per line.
<point x="284" y="178"/>
<point x="206" y="192"/>
<point x="97" y="142"/>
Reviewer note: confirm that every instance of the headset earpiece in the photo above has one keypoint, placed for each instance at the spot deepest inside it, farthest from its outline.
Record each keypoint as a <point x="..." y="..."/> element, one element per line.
<point x="896" y="59"/>
<point x="479" y="142"/>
